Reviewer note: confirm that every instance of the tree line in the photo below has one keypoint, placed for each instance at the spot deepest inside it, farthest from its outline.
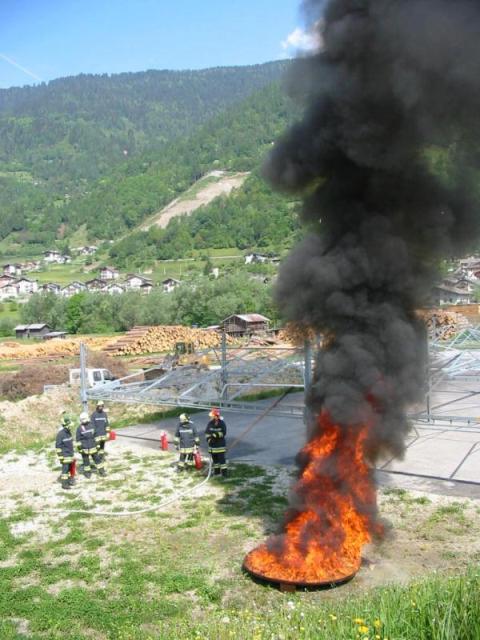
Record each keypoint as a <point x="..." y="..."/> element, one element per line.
<point x="205" y="301"/>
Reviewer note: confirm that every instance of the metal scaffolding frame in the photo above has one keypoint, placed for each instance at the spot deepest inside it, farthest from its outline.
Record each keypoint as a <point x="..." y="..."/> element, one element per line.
<point x="237" y="374"/>
<point x="240" y="372"/>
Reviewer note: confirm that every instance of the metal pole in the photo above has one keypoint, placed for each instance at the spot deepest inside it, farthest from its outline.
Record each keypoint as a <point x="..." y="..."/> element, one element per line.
<point x="308" y="366"/>
<point x="308" y="417"/>
<point x="83" y="377"/>
<point x="224" y="364"/>
<point x="429" y="377"/>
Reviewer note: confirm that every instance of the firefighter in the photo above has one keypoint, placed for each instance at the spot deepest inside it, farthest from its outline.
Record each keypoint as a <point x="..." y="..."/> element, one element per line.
<point x="65" y="451"/>
<point x="99" y="420"/>
<point x="87" y="446"/>
<point x="215" y="434"/>
<point x="186" y="440"/>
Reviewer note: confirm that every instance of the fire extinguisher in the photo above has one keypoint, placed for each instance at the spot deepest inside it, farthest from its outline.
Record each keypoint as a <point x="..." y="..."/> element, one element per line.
<point x="197" y="458"/>
<point x="163" y="441"/>
<point x="112" y="435"/>
<point x="73" y="468"/>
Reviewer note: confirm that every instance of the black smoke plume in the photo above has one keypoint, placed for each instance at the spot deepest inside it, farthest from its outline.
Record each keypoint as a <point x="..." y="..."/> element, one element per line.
<point x="386" y="156"/>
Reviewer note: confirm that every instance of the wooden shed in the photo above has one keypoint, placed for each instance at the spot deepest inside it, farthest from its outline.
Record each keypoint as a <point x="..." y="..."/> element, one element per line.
<point x="245" y="323"/>
<point x="31" y="330"/>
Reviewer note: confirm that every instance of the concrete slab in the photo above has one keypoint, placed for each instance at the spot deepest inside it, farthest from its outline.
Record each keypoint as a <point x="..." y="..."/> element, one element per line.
<point x="438" y="457"/>
<point x="432" y="450"/>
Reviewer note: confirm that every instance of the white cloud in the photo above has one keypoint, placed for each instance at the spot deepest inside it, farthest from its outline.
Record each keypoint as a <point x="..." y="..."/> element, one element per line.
<point x="301" y="40"/>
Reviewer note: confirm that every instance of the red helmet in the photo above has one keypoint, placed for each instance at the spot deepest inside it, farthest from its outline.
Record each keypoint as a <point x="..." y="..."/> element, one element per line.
<point x="214" y="413"/>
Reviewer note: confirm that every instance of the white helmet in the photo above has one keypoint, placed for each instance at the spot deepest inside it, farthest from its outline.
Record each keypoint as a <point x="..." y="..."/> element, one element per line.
<point x="184" y="418"/>
<point x="84" y="417"/>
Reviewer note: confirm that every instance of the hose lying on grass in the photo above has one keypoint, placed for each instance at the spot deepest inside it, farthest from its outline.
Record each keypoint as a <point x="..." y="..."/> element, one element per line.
<point x="120" y="514"/>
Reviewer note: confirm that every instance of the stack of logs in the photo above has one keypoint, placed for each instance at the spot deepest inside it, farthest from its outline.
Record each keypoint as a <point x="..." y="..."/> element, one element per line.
<point x="49" y="348"/>
<point x="162" y="338"/>
<point x="442" y="324"/>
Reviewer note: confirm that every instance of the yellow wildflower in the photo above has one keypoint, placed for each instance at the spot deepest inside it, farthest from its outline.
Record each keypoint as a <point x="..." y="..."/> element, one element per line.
<point x="377" y="624"/>
<point x="363" y="629"/>
<point x="359" y="621"/>
<point x="332" y="617"/>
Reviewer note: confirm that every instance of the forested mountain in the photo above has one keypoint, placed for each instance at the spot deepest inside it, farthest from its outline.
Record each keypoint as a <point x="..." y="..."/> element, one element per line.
<point x="235" y="139"/>
<point x="73" y="130"/>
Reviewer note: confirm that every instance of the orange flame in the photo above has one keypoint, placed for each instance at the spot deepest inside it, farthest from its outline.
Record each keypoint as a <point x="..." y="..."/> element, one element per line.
<point x="334" y="513"/>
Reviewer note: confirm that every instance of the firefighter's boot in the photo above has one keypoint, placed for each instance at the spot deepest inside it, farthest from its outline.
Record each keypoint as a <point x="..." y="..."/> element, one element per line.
<point x="224" y="473"/>
<point x="102" y="472"/>
<point x="71" y="481"/>
<point x="65" y="484"/>
<point x="88" y="474"/>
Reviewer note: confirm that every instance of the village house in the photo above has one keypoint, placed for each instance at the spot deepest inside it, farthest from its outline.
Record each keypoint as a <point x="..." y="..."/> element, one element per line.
<point x="8" y="290"/>
<point x="12" y="269"/>
<point x="95" y="284"/>
<point x="52" y="256"/>
<point x="255" y="258"/>
<point x="443" y="294"/>
<point x="6" y="280"/>
<point x="113" y="288"/>
<point x="133" y="281"/>
<point x="146" y="288"/>
<point x="31" y="330"/>
<point x="31" y="265"/>
<point x="170" y="284"/>
<point x="244" y="324"/>
<point x="26" y="286"/>
<point x="86" y="251"/>
<point x="72" y="288"/>
<point x="50" y="287"/>
<point x="109" y="273"/>
<point x="55" y="257"/>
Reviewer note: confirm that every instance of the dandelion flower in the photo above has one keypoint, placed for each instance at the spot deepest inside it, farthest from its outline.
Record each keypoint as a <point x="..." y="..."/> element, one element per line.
<point x="363" y="629"/>
<point x="332" y="617"/>
<point x="377" y="624"/>
<point x="359" y="621"/>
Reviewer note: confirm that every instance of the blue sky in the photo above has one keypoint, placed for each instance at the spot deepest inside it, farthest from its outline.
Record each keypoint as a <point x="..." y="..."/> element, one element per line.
<point x="46" y="39"/>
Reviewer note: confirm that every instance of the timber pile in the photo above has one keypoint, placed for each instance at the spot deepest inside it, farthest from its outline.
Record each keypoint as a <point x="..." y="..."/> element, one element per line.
<point x="296" y="334"/>
<point x="442" y="324"/>
<point x="158" y="339"/>
<point x="49" y="349"/>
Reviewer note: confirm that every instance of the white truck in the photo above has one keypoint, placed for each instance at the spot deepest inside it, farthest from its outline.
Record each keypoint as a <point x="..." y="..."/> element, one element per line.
<point x="95" y="377"/>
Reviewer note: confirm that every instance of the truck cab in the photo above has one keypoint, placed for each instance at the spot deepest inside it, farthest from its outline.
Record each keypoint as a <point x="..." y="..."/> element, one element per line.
<point x="95" y="377"/>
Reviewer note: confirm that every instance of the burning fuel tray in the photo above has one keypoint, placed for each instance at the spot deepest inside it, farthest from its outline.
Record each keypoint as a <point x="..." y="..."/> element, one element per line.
<point x="292" y="585"/>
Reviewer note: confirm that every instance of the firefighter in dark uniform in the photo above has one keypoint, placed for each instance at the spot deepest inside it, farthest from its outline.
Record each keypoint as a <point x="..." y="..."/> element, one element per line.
<point x="215" y="434"/>
<point x="65" y="451"/>
<point x="88" y="447"/>
<point x="99" y="420"/>
<point x="186" y="440"/>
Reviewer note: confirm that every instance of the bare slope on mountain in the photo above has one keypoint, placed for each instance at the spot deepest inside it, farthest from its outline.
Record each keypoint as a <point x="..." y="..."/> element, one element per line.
<point x="201" y="193"/>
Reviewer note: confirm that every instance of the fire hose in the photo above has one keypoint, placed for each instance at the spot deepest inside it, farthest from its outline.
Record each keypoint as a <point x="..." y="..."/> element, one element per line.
<point x="174" y="498"/>
<point x="178" y="495"/>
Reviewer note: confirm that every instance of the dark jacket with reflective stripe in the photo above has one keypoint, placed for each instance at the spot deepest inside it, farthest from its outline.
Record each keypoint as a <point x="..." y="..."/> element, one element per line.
<point x="64" y="443"/>
<point x="186" y="436"/>
<point x="86" y="438"/>
<point x="99" y="421"/>
<point x="215" y="433"/>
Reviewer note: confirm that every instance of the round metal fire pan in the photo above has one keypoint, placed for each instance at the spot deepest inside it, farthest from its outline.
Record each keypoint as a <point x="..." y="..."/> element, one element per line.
<point x="307" y="586"/>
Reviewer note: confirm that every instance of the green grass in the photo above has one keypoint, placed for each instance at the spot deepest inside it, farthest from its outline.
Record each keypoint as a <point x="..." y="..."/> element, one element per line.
<point x="64" y="273"/>
<point x="176" y="575"/>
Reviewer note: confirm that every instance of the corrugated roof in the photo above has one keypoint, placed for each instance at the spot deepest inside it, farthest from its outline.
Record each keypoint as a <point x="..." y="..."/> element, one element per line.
<point x="34" y="327"/>
<point x="249" y="317"/>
